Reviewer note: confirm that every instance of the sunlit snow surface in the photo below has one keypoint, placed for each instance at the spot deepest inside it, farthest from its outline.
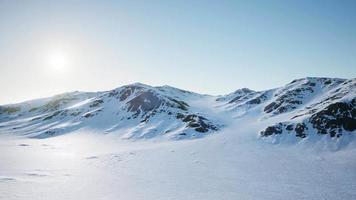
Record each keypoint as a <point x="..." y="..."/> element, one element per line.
<point x="232" y="163"/>
<point x="229" y="165"/>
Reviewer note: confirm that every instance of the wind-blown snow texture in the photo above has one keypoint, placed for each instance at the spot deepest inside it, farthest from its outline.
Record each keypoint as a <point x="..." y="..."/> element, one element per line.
<point x="118" y="144"/>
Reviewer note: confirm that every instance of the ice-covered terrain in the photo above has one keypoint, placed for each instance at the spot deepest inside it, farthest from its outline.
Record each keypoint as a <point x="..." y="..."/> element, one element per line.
<point x="143" y="142"/>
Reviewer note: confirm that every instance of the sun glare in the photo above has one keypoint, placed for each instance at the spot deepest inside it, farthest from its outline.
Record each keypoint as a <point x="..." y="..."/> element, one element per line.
<point x="58" y="61"/>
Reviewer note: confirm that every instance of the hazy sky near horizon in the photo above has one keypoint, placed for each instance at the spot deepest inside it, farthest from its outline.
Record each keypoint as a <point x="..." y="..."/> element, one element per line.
<point x="215" y="47"/>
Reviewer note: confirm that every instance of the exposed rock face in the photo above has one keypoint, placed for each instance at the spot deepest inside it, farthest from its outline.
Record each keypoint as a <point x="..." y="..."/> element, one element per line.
<point x="334" y="118"/>
<point x="258" y="99"/>
<point x="297" y="92"/>
<point x="146" y="101"/>
<point x="199" y="123"/>
<point x="240" y="93"/>
<point x="290" y="97"/>
<point x="9" y="109"/>
<point x="333" y="114"/>
<point x="128" y="91"/>
<point x="235" y="96"/>
<point x="96" y="103"/>
<point x="276" y="129"/>
<point x="300" y="130"/>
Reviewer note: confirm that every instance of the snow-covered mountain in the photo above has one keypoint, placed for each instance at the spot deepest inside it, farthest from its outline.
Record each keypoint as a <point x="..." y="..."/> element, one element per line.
<point x="316" y="106"/>
<point x="134" y="111"/>
<point x="305" y="109"/>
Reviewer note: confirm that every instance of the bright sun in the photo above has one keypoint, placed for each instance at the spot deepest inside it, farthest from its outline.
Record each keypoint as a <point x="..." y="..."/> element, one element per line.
<point x="58" y="61"/>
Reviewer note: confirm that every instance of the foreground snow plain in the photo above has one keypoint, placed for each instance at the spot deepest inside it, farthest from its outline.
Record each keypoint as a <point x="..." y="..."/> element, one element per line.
<point x="231" y="164"/>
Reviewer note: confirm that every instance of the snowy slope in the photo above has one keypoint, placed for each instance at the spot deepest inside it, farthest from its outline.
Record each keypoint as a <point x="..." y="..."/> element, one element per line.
<point x="133" y="111"/>
<point x="315" y="107"/>
<point x="305" y="109"/>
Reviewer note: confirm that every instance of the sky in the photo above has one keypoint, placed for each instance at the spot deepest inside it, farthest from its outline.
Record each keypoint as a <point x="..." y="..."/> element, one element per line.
<point x="214" y="47"/>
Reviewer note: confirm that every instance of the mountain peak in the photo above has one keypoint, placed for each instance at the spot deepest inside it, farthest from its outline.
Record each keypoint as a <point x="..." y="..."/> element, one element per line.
<point x="138" y="84"/>
<point x="315" y="79"/>
<point x="243" y="90"/>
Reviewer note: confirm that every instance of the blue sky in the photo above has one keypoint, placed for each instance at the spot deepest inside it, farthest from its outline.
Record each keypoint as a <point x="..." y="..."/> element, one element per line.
<point x="210" y="47"/>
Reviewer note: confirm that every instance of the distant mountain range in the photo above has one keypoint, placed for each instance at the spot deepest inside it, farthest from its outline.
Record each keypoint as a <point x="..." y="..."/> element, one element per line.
<point x="305" y="109"/>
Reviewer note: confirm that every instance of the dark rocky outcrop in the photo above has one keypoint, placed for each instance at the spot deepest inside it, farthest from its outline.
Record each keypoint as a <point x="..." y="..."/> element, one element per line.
<point x="146" y="101"/>
<point x="9" y="109"/>
<point x="287" y="101"/>
<point x="300" y="130"/>
<point x="128" y="91"/>
<point x="334" y="118"/>
<point x="271" y="130"/>
<point x="197" y="122"/>
<point x="179" y="104"/>
<point x="257" y="100"/>
<point x="96" y="103"/>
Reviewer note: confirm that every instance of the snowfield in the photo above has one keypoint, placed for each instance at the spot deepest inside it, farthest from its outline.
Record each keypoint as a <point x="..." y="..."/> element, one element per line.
<point x="141" y="142"/>
<point x="229" y="165"/>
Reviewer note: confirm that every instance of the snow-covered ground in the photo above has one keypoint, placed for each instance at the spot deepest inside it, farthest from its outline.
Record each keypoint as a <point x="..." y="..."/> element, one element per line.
<point x="230" y="165"/>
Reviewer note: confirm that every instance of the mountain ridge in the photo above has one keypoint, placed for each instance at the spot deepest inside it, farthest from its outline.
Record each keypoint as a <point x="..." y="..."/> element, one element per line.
<point x="304" y="108"/>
